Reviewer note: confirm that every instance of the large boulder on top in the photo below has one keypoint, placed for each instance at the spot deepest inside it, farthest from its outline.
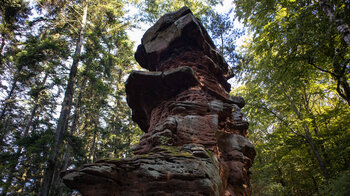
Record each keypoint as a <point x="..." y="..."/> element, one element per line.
<point x="174" y="31"/>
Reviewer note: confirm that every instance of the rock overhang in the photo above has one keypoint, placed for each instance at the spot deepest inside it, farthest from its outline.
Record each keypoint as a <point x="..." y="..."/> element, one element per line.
<point x="145" y="90"/>
<point x="178" y="29"/>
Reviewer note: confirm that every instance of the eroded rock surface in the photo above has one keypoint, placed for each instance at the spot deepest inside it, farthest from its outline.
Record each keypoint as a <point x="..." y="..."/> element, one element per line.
<point x="195" y="140"/>
<point x="186" y="170"/>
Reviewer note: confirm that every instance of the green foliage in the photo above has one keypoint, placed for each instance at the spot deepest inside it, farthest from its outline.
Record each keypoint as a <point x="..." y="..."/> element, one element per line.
<point x="294" y="65"/>
<point x="295" y="68"/>
<point x="222" y="31"/>
<point x="338" y="186"/>
<point x="37" y="52"/>
<point x="13" y="13"/>
<point x="299" y="38"/>
<point x="153" y="9"/>
<point x="36" y="71"/>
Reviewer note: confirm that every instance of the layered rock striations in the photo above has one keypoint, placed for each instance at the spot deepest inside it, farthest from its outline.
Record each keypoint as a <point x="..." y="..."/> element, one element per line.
<point x="195" y="140"/>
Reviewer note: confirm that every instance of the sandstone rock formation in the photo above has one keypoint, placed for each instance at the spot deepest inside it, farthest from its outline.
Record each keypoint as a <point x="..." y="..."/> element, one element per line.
<point x="195" y="140"/>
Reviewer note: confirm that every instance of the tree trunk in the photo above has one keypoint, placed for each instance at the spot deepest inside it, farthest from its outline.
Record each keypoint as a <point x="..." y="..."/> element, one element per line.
<point x="74" y="126"/>
<point x="9" y="180"/>
<point x="280" y="175"/>
<point x="3" y="134"/>
<point x="308" y="136"/>
<point x="64" y="115"/>
<point x="6" y="121"/>
<point x="339" y="23"/>
<point x="2" y="44"/>
<point x="343" y="89"/>
<point x="6" y="101"/>
<point x="25" y="133"/>
<point x="92" y="148"/>
<point x="222" y="44"/>
<point x="66" y="156"/>
<point x="35" y="108"/>
<point x="320" y="161"/>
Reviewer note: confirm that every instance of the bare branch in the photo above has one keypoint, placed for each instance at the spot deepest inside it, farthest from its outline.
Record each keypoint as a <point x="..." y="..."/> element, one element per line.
<point x="321" y="69"/>
<point x="283" y="121"/>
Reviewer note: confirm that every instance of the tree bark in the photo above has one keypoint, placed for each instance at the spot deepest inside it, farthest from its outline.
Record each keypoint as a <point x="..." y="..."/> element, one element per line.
<point x="93" y="145"/>
<point x="2" y="44"/>
<point x="64" y="115"/>
<point x="92" y="148"/>
<point x="74" y="127"/>
<point x="25" y="133"/>
<point x="320" y="161"/>
<point x="308" y="136"/>
<point x="343" y="89"/>
<point x="2" y="49"/>
<point x="3" y="111"/>
<point x="6" y="121"/>
<point x="35" y="108"/>
<point x="9" y="180"/>
<point x="339" y="23"/>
